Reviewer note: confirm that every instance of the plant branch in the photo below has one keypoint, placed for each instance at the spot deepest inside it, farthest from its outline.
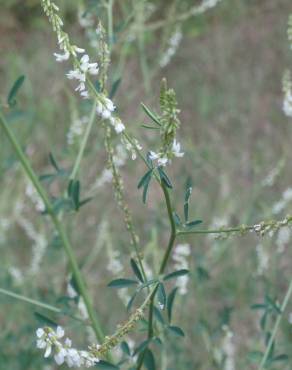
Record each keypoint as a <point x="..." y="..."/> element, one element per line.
<point x="85" y="138"/>
<point x="59" y="227"/>
<point x="276" y="326"/>
<point x="263" y="226"/>
<point x="38" y="303"/>
<point x="163" y="265"/>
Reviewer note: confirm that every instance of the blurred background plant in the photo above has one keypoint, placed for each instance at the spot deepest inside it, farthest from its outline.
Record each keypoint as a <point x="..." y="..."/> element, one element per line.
<point x="226" y="66"/>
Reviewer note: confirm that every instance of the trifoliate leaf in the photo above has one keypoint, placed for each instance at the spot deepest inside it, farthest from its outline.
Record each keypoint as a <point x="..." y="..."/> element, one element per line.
<point x="136" y="270"/>
<point x="175" y="274"/>
<point x="11" y="100"/>
<point x="122" y="283"/>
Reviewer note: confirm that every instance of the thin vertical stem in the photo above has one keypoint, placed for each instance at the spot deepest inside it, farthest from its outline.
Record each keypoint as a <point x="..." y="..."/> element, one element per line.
<point x="276" y="326"/>
<point x="110" y="22"/>
<point x="59" y="227"/>
<point x="83" y="143"/>
<point x="163" y="265"/>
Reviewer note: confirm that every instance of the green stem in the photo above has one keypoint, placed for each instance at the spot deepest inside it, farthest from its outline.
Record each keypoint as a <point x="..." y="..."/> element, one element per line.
<point x="30" y="300"/>
<point x="83" y="143"/>
<point x="37" y="303"/>
<point x="59" y="227"/>
<point x="173" y="229"/>
<point x="240" y="228"/>
<point x="163" y="265"/>
<point x="110" y="22"/>
<point x="276" y="326"/>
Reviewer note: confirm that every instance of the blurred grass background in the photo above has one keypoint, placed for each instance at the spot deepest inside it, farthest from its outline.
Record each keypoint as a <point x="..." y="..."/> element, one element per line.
<point x="227" y="75"/>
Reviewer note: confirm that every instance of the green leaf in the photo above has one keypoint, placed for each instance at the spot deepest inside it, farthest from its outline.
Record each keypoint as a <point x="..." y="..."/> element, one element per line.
<point x="45" y="319"/>
<point x="170" y="301"/>
<point x="125" y="348"/>
<point x="11" y="100"/>
<point x="151" y="114"/>
<point x="176" y="330"/>
<point x="74" y="192"/>
<point x="84" y="201"/>
<point x="258" y="306"/>
<point x="122" y="283"/>
<point x="106" y="365"/>
<point x="149" y="360"/>
<point x="54" y="162"/>
<point x="263" y="320"/>
<point x="136" y="270"/>
<point x="192" y="224"/>
<point x="144" y="178"/>
<point x="48" y="177"/>
<point x="188" y="194"/>
<point x="176" y="274"/>
<point x="273" y="305"/>
<point x="161" y="295"/>
<point x="186" y="211"/>
<point x="282" y="357"/>
<point x="164" y="178"/>
<point x="150" y="127"/>
<point x="176" y="219"/>
<point x="145" y="190"/>
<point x="158" y="315"/>
<point x="115" y="87"/>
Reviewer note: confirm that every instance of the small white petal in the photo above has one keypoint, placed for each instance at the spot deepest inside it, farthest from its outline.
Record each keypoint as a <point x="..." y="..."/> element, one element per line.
<point x="40" y="332"/>
<point x="48" y="351"/>
<point x="109" y="105"/>
<point x="119" y="127"/>
<point x="84" y="59"/>
<point x="153" y="156"/>
<point x="79" y="50"/>
<point x="41" y="343"/>
<point x="106" y="114"/>
<point x="162" y="161"/>
<point x="60" y="332"/>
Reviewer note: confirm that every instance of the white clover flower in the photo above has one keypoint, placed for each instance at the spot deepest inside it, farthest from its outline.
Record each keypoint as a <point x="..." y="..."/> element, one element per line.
<point x="60" y="332"/>
<point x="78" y="50"/>
<point x="119" y="126"/>
<point x="153" y="156"/>
<point x="80" y="87"/>
<point x="62" y="57"/>
<point x="132" y="148"/>
<point x="76" y="75"/>
<point x="49" y="340"/>
<point x="176" y="147"/>
<point x="162" y="161"/>
<point x="60" y="356"/>
<point x="109" y="105"/>
<point x="85" y="94"/>
<point x="106" y="114"/>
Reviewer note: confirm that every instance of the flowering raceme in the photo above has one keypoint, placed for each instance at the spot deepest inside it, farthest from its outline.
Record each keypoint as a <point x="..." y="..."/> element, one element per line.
<point x="51" y="341"/>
